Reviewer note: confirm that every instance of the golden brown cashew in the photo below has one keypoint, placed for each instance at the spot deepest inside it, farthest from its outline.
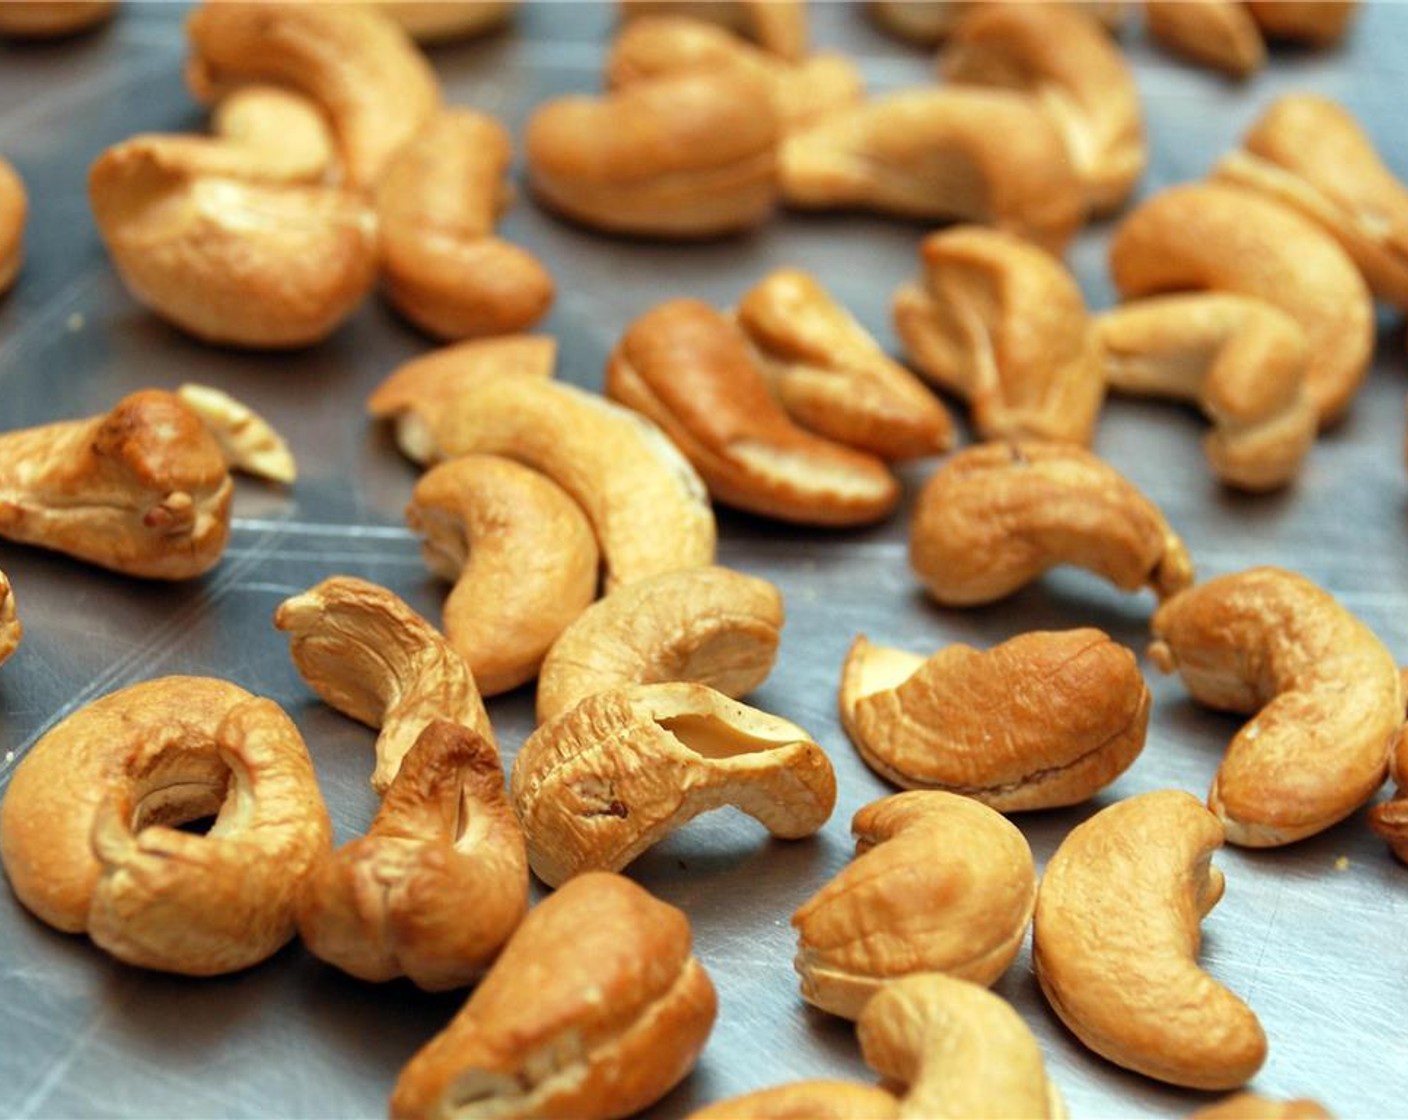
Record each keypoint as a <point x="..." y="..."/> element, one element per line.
<point x="1043" y="720"/>
<point x="375" y="660"/>
<point x="974" y="155"/>
<point x="141" y="490"/>
<point x="1250" y="1106"/>
<point x="996" y="516"/>
<point x="521" y="555"/>
<point x="599" y="785"/>
<point x="440" y="880"/>
<point x="13" y="208"/>
<point x="247" y="441"/>
<point x="687" y="368"/>
<point x="50" y="19"/>
<point x="443" y="21"/>
<point x="711" y="626"/>
<point x="1326" y="694"/>
<point x="1317" y="22"/>
<point x="1002" y="324"/>
<point x="1390" y="820"/>
<point x="831" y="375"/>
<point x="1239" y="358"/>
<point x="1216" y="33"/>
<point x="10" y="628"/>
<point x="940" y="883"/>
<point x="437" y="204"/>
<point x="778" y="26"/>
<point x="805" y="1100"/>
<point x="88" y="836"/>
<point x="1115" y="944"/>
<point x="1218" y="237"/>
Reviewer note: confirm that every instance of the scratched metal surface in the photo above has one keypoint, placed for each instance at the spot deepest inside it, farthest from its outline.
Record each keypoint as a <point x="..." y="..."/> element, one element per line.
<point x="1318" y="951"/>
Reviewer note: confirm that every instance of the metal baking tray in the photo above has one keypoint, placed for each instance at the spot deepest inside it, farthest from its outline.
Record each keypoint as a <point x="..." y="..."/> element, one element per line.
<point x="1312" y="936"/>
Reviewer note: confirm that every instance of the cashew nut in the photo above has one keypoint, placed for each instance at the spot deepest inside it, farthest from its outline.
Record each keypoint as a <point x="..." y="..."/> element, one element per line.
<point x="52" y="19"/>
<point x="975" y="155"/>
<point x="442" y="21"/>
<point x="88" y="836"/>
<point x="996" y="516"/>
<point x="805" y="1100"/>
<point x="1216" y="33"/>
<point x="1115" y="944"/>
<point x="440" y="880"/>
<point x="599" y="785"/>
<point x="284" y="134"/>
<point x="595" y="1009"/>
<point x="927" y="22"/>
<point x="686" y="367"/>
<point x="1003" y="324"/>
<point x="375" y="660"/>
<point x="1219" y="237"/>
<point x="1317" y="22"/>
<point x="711" y="626"/>
<point x="13" y="208"/>
<point x="1239" y="358"/>
<point x="521" y="555"/>
<point x="10" y="628"/>
<point x="437" y="203"/>
<point x="1390" y="820"/>
<point x="1250" y="1106"/>
<point x="1326" y="694"/>
<point x="247" y="441"/>
<point x="831" y="375"/>
<point x="141" y="490"/>
<point x="778" y="26"/>
<point x="1043" y="720"/>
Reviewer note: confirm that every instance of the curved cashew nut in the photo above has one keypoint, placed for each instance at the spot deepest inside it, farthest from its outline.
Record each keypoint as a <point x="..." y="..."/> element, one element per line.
<point x="51" y="19"/>
<point x="805" y="1100"/>
<point x="367" y="654"/>
<point x="996" y="516"/>
<point x="1327" y="696"/>
<point x="247" y="441"/>
<point x="975" y="155"/>
<point x="1250" y="1106"/>
<point x="11" y="631"/>
<point x="1390" y="820"/>
<point x="595" y="1009"/>
<point x="940" y="883"/>
<point x="1115" y="944"/>
<point x="443" y="21"/>
<point x="778" y="26"/>
<point x="285" y="133"/>
<point x="1216" y="33"/>
<point x="598" y="786"/>
<point x="1003" y="324"/>
<point x="142" y="490"/>
<point x="1317" y="22"/>
<point x="521" y="555"/>
<point x="710" y="626"/>
<point x="831" y="375"/>
<point x="1209" y="235"/>
<point x="14" y="207"/>
<point x="440" y="880"/>
<point x="1071" y="709"/>
<point x="687" y="368"/>
<point x="1239" y="358"/>
<point x="437" y="204"/>
<point x="87" y="836"/>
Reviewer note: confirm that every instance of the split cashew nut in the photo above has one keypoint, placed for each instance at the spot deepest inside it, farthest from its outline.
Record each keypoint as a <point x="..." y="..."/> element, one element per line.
<point x="246" y="439"/>
<point x="14" y="207"/>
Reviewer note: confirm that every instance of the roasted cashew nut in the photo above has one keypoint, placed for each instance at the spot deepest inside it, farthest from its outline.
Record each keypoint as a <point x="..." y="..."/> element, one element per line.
<point x="1327" y="698"/>
<point x="778" y="26"/>
<point x="375" y="660"/>
<point x="246" y="439"/>
<point x="940" y="883"/>
<point x="928" y="22"/>
<point x="521" y="555"/>
<point x="805" y="1100"/>
<point x="1250" y="1106"/>
<point x="52" y="19"/>
<point x="142" y="490"/>
<point x="1115" y="944"/>
<point x="1040" y="721"/>
<point x="996" y="516"/>
<point x="282" y="134"/>
<point x="440" y="880"/>
<point x="443" y="21"/>
<point x="1390" y="820"/>
<point x="87" y="825"/>
<point x="14" y="207"/>
<point x="599" y="785"/>
<point x="595" y="1009"/>
<point x="1218" y="33"/>
<point x="10" y="628"/>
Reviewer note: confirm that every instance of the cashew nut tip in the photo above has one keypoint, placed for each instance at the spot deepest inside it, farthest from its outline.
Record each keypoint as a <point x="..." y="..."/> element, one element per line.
<point x="14" y="207"/>
<point x="599" y="785"/>
<point x="88" y="829"/>
<point x="52" y="19"/>
<point x="1251" y="1106"/>
<point x="1220" y="34"/>
<point x="367" y="654"/>
<point x="444" y="21"/>
<point x="1390" y="820"/>
<point x="778" y="26"/>
<point x="1324" y="693"/>
<point x="595" y="1009"/>
<point x="10" y="628"/>
<point x="996" y="516"/>
<point x="1319" y="23"/>
<point x="806" y="1100"/>
<point x="246" y="438"/>
<point x="1115" y="944"/>
<point x="439" y="882"/>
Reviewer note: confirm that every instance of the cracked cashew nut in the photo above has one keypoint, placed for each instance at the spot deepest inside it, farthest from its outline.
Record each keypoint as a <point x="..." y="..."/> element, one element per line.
<point x="595" y="1009"/>
<point x="612" y="777"/>
<point x="52" y="19"/>
<point x="778" y="26"/>
<point x="14" y="207"/>
<point x="1216" y="33"/>
<point x="443" y="21"/>
<point x="88" y="836"/>
<point x="1250" y="1106"/>
<point x="11" y="630"/>
<point x="246" y="439"/>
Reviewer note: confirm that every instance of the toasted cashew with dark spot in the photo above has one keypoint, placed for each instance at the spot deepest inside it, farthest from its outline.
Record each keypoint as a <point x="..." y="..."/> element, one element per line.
<point x="52" y="19"/>
<point x="444" y="21"/>
<point x="778" y="26"/>
<point x="1216" y="33"/>
<point x="11" y="629"/>
<point x="1251" y="1106"/>
<point x="246" y="439"/>
<point x="14" y="208"/>
<point x="805" y="1100"/>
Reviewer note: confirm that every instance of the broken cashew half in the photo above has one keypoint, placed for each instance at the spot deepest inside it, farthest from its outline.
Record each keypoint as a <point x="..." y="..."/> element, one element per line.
<point x="14" y="207"/>
<point x="778" y="26"/>
<point x="89" y="836"/>
<point x="10" y="628"/>
<point x="247" y="440"/>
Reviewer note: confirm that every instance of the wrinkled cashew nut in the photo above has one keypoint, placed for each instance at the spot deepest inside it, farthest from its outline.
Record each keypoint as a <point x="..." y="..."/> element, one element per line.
<point x="50" y="19"/>
<point x="14" y="207"/>
<point x="443" y="21"/>
<point x="246" y="439"/>
<point x="778" y="26"/>
<point x="1218" y="33"/>
<point x="1250" y="1106"/>
<point x="11" y="631"/>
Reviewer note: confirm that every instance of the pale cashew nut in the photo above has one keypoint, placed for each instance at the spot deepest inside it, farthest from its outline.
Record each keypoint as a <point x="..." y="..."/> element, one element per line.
<point x="142" y="490"/>
<point x="283" y="131"/>
<point x="940" y="883"/>
<point x="599" y="785"/>
<point x="1004" y="325"/>
<point x="1326" y="694"/>
<point x="1043" y="720"/>
<point x="443" y="21"/>
<point x="595" y="1009"/>
<point x="521" y="555"/>
<point x="778" y="26"/>
<point x="440" y="880"/>
<point x="367" y="654"/>
<point x="1317" y="22"/>
<point x="1250" y="1106"/>
<point x="687" y="368"/>
<point x="996" y="516"/>
<point x="11" y="630"/>
<point x="88" y="836"/>
<point x="14" y="207"/>
<point x="805" y="1100"/>
<point x="52" y="19"/>
<point x="1115" y="944"/>
<point x="1218" y="33"/>
<point x="246" y="439"/>
<point x="1239" y="358"/>
<point x="1390" y="820"/>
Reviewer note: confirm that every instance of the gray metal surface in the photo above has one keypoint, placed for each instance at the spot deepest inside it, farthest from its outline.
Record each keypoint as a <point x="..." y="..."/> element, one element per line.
<point x="1314" y="943"/>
